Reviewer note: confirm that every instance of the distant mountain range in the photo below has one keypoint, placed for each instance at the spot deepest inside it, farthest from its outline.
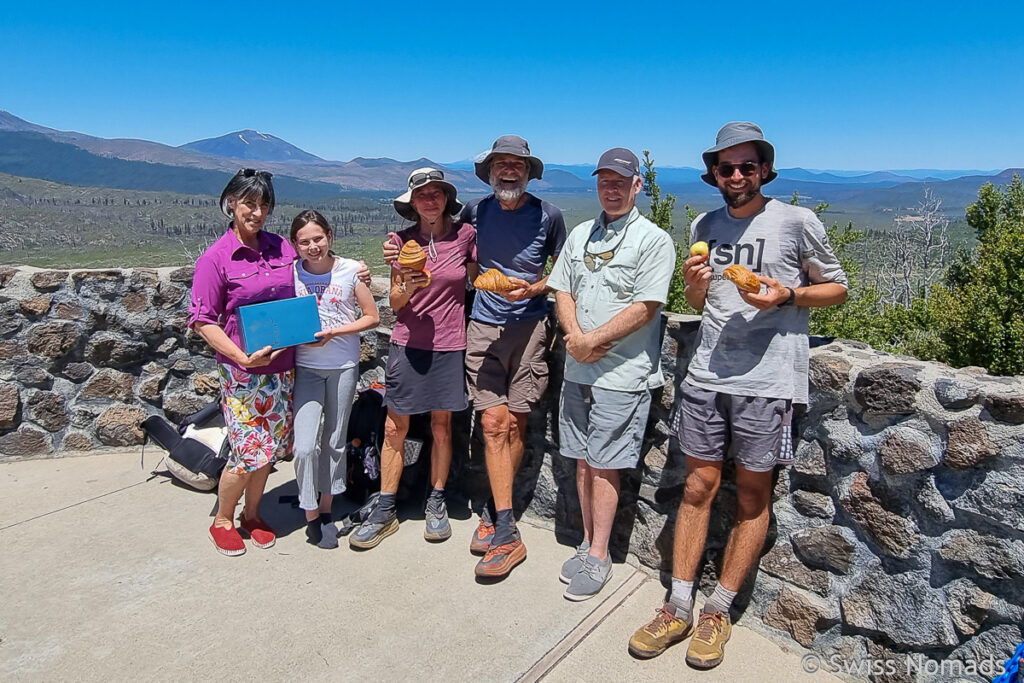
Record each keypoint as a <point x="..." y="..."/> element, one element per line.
<point x="202" y="167"/>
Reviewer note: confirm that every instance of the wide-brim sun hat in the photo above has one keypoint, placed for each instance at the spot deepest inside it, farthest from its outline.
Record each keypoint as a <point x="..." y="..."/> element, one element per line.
<point x="508" y="144"/>
<point x="736" y="133"/>
<point x="419" y="178"/>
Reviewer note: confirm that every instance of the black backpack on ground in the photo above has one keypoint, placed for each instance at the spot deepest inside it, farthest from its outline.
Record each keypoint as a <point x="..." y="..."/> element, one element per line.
<point x="191" y="455"/>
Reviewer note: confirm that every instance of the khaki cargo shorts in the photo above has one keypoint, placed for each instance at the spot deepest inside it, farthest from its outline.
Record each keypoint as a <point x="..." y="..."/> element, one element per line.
<point x="507" y="364"/>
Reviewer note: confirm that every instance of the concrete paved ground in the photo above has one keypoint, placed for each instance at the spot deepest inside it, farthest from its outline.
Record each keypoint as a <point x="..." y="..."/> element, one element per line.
<point x="108" y="574"/>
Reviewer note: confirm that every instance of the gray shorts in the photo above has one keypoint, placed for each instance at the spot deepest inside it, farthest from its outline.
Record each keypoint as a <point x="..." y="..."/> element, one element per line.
<point x="710" y="425"/>
<point x="602" y="426"/>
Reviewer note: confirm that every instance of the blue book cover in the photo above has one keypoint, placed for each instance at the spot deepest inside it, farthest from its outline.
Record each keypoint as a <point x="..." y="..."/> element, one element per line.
<point x="281" y="323"/>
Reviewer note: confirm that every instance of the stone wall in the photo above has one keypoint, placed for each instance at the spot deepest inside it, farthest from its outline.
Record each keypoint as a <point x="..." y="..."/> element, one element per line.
<point x="899" y="528"/>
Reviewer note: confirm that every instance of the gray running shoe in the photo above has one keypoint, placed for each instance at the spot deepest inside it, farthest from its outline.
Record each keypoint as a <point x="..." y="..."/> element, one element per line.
<point x="590" y="579"/>
<point x="574" y="564"/>
<point x="370" y="534"/>
<point x="438" y="528"/>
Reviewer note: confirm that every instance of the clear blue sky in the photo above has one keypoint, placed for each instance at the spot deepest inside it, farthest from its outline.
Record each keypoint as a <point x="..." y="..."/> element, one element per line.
<point x="835" y="85"/>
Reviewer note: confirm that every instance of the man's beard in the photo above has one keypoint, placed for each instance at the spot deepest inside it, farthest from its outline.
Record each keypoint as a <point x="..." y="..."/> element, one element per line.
<point x="506" y="192"/>
<point x="737" y="199"/>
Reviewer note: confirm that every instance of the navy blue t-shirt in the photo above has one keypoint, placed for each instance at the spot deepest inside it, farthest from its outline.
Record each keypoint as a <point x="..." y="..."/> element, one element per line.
<point x="518" y="243"/>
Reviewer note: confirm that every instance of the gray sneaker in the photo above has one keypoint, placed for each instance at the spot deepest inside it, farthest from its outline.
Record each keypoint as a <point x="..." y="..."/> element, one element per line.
<point x="438" y="529"/>
<point x="370" y="534"/>
<point x="590" y="579"/>
<point x="574" y="564"/>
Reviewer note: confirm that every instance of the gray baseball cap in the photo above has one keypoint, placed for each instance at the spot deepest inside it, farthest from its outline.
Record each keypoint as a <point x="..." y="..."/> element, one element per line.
<point x="508" y="144"/>
<point x="736" y="133"/>
<point x="620" y="160"/>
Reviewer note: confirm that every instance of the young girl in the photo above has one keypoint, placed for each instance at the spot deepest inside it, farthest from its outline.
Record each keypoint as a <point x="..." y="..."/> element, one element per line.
<point x="326" y="371"/>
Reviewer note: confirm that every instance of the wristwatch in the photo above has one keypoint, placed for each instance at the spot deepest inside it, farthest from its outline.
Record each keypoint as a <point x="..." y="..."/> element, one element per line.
<point x="790" y="299"/>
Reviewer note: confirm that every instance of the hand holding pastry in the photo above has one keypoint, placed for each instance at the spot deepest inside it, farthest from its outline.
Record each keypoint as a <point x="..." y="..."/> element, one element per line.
<point x="770" y="296"/>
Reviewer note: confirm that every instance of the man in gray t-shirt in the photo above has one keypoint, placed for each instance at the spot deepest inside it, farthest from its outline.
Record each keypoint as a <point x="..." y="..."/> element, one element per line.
<point x="748" y="369"/>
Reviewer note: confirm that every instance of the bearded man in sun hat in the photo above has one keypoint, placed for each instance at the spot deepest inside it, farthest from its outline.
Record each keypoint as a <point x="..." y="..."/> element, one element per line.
<point x="508" y="334"/>
<point x="748" y="370"/>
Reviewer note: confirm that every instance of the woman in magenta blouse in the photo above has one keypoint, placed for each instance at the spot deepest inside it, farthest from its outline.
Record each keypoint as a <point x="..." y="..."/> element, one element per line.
<point x="246" y="265"/>
<point x="426" y="359"/>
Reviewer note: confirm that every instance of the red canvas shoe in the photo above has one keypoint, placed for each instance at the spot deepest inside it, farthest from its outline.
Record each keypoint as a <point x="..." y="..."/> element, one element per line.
<point x="262" y="536"/>
<point x="227" y="540"/>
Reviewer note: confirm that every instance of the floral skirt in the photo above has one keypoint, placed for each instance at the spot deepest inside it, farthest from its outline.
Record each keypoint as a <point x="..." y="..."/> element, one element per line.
<point x="258" y="414"/>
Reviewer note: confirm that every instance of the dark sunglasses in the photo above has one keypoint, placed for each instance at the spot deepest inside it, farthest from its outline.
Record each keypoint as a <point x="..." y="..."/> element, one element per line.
<point x="250" y="172"/>
<point x="417" y="179"/>
<point x="747" y="168"/>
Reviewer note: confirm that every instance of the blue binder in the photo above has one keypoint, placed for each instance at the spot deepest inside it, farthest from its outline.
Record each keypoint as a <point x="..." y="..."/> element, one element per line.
<point x="281" y="323"/>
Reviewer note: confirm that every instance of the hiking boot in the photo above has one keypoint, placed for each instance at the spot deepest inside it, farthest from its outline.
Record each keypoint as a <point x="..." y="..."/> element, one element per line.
<point x="227" y="540"/>
<point x="707" y="647"/>
<point x="482" y="537"/>
<point x="590" y="579"/>
<point x="438" y="528"/>
<point x="499" y="560"/>
<point x="261" y="535"/>
<point x="654" y="637"/>
<point x="370" y="533"/>
<point x="573" y="565"/>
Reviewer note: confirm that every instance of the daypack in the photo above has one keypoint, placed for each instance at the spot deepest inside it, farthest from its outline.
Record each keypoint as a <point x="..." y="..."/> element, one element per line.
<point x="365" y="438"/>
<point x="197" y="449"/>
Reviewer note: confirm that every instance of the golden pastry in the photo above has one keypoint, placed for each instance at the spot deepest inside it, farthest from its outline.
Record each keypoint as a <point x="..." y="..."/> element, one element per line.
<point x="743" y="278"/>
<point x="493" y="281"/>
<point x="412" y="256"/>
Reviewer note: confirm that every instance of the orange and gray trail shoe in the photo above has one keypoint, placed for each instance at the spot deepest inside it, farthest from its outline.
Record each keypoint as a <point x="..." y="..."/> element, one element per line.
<point x="499" y="560"/>
<point x="707" y="647"/>
<point x="482" y="537"/>
<point x="667" y="627"/>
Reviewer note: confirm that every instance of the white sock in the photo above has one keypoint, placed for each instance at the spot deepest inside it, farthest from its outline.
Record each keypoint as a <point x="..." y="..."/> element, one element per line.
<point x="682" y="595"/>
<point x="720" y="601"/>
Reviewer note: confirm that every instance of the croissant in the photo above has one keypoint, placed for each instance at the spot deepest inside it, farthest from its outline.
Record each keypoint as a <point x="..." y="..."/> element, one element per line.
<point x="412" y="256"/>
<point x="743" y="278"/>
<point x="493" y="281"/>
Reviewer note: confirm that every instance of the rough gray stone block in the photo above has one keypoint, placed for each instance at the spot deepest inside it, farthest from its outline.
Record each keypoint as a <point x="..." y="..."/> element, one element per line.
<point x="902" y="607"/>
<point x="1006" y="408"/>
<point x="904" y="450"/>
<point x="955" y="394"/>
<point x="10" y="402"/>
<point x="894" y="533"/>
<point x="827" y="547"/>
<point x="25" y="441"/>
<point x="888" y="388"/>
<point x="49" y="410"/>
<point x="986" y="556"/>
<point x="120" y="426"/>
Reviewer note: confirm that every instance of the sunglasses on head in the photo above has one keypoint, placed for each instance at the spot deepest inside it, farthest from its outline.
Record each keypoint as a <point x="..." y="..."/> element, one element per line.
<point x="417" y="179"/>
<point x="747" y="168"/>
<point x="250" y="172"/>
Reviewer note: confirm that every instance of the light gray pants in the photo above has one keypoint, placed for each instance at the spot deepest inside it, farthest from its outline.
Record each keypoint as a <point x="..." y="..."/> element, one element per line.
<point x="327" y="394"/>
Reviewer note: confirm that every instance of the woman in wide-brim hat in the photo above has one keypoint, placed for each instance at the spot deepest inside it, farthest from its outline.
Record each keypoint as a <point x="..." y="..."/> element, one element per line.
<point x="426" y="359"/>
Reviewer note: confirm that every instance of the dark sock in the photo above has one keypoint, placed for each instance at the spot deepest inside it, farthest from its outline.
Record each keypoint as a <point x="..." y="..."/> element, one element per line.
<point x="384" y="511"/>
<point x="314" y="534"/>
<point x="488" y="513"/>
<point x="328" y="531"/>
<point x="504" y="528"/>
<point x="435" y="501"/>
